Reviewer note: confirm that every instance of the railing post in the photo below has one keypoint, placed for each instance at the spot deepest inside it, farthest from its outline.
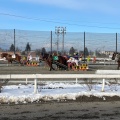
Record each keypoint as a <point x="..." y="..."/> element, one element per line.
<point x="103" y="85"/>
<point x="76" y="80"/>
<point x="35" y="85"/>
<point x="104" y="61"/>
<point x="26" y="81"/>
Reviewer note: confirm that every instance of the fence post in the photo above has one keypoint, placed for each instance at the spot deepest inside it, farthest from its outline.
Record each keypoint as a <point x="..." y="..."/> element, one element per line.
<point x="103" y="85"/>
<point x="35" y="85"/>
<point x="51" y="42"/>
<point x="84" y="47"/>
<point x="116" y="42"/>
<point x="104" y="61"/>
<point x="26" y="81"/>
<point x="76" y="80"/>
<point x="14" y="41"/>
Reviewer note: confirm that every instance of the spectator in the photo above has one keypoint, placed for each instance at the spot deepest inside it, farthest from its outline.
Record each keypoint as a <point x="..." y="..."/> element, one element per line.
<point x="94" y="59"/>
<point x="88" y="59"/>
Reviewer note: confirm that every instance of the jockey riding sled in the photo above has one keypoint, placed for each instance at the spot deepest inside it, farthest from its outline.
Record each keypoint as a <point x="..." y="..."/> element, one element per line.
<point x="58" y="60"/>
<point x="74" y="63"/>
<point x="31" y="61"/>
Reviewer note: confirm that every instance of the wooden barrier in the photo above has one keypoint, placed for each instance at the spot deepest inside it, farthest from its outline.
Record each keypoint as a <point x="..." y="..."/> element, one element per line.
<point x="84" y="67"/>
<point x="32" y="63"/>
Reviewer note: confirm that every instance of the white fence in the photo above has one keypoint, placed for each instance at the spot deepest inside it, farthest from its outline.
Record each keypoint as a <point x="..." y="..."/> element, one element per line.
<point x="109" y="74"/>
<point x="61" y="76"/>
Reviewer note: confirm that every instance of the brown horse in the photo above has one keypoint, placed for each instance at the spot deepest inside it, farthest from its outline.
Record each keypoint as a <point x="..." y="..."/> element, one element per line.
<point x="116" y="57"/>
<point x="11" y="58"/>
<point x="48" y="59"/>
<point x="61" y="62"/>
<point x="7" y="56"/>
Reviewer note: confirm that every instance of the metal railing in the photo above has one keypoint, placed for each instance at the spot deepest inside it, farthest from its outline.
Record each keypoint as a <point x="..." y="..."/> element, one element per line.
<point x="64" y="76"/>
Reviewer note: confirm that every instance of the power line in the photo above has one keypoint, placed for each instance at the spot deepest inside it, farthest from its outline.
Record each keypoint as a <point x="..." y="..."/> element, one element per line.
<point x="52" y="21"/>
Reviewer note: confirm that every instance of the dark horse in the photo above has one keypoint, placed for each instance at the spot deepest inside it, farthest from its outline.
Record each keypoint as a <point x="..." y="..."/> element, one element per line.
<point x="116" y="57"/>
<point x="10" y="58"/>
<point x="48" y="58"/>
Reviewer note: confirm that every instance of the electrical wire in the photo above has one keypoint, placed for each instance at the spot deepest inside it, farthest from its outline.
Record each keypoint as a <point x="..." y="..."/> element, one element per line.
<point x="52" y="21"/>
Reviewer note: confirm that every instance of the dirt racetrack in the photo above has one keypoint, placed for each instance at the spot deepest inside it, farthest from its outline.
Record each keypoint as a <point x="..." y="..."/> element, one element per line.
<point x="16" y="69"/>
<point x="62" y="111"/>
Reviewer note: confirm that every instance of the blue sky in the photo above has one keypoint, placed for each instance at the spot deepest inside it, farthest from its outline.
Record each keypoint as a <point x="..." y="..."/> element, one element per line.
<point x="102" y="16"/>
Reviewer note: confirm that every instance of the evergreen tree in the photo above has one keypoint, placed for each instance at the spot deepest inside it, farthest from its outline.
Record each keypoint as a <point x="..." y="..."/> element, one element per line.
<point x="28" y="47"/>
<point x="71" y="51"/>
<point x="43" y="51"/>
<point x="12" y="48"/>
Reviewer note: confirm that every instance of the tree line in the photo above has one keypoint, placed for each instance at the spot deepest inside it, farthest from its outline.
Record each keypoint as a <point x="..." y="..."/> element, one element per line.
<point x="85" y="53"/>
<point x="43" y="50"/>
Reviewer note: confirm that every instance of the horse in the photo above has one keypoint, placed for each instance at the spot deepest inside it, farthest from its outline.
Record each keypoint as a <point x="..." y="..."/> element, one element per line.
<point x="116" y="57"/>
<point x="48" y="58"/>
<point x="17" y="58"/>
<point x="62" y="60"/>
<point x="11" y="58"/>
<point x="7" y="56"/>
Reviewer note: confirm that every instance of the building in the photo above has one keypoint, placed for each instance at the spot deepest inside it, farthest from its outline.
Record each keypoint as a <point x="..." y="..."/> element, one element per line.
<point x="107" y="52"/>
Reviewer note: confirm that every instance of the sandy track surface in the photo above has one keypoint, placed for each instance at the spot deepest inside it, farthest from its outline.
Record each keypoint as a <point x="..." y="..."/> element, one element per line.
<point x="15" y="69"/>
<point x="62" y="111"/>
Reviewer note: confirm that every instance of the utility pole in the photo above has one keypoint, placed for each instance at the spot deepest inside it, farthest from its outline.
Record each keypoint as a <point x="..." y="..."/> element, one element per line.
<point x="14" y="41"/>
<point x="116" y="43"/>
<point x="51" y="42"/>
<point x="58" y="31"/>
<point x="63" y="30"/>
<point x="84" y="47"/>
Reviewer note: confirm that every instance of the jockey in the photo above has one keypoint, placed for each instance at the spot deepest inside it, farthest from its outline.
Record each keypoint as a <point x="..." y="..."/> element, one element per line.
<point x="76" y="58"/>
<point x="29" y="58"/>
